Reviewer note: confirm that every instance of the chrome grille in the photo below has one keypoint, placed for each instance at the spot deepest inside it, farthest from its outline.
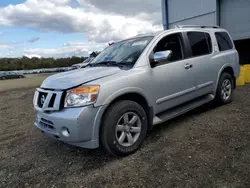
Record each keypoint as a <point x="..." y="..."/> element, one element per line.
<point x="47" y="100"/>
<point x="41" y="99"/>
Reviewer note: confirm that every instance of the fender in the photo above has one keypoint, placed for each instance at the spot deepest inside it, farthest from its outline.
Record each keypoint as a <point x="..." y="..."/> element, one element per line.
<point x="117" y="94"/>
<point x="125" y="91"/>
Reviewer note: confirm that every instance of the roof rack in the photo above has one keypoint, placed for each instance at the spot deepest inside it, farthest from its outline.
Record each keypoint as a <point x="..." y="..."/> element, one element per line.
<point x="199" y="26"/>
<point x="150" y="33"/>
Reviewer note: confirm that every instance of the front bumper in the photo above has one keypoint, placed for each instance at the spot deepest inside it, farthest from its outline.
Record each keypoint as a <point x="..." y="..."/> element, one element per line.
<point x="80" y="124"/>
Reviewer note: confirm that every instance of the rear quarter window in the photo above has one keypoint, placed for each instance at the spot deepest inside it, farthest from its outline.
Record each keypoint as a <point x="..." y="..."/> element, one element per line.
<point x="224" y="41"/>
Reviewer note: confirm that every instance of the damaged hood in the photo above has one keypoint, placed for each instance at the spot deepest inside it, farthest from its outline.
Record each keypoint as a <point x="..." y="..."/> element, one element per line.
<point x="77" y="77"/>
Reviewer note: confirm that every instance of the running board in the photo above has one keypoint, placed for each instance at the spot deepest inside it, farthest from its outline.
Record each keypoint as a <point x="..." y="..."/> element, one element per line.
<point x="176" y="111"/>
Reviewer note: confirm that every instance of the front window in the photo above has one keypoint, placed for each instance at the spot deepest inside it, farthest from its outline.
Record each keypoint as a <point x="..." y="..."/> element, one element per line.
<point x="173" y="43"/>
<point x="124" y="53"/>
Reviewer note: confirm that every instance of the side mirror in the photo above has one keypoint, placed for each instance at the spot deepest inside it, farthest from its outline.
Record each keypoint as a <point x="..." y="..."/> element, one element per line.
<point x="162" y="56"/>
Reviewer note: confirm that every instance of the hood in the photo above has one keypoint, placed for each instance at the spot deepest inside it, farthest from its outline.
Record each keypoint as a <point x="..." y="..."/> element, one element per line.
<point x="77" y="77"/>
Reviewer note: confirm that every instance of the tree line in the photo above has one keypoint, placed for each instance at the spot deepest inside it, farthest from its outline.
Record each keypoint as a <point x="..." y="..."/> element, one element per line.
<point x="25" y="63"/>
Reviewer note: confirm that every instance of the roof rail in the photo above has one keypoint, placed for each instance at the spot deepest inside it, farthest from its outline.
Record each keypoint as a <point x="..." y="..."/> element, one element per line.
<point x="149" y="34"/>
<point x="199" y="26"/>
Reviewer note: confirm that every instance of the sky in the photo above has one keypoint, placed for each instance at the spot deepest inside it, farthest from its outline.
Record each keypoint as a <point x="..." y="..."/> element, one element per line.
<point x="64" y="28"/>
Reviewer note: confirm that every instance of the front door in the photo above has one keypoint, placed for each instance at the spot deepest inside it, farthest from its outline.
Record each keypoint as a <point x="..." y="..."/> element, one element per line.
<point x="172" y="81"/>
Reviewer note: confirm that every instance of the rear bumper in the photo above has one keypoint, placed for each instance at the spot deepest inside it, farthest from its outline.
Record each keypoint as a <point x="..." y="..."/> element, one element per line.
<point x="76" y="126"/>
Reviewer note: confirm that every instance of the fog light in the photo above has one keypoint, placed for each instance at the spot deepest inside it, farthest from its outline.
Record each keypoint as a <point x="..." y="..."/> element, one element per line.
<point x="37" y="118"/>
<point x="65" y="132"/>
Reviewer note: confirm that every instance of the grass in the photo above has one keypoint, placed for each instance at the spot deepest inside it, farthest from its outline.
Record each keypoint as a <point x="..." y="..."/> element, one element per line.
<point x="28" y="82"/>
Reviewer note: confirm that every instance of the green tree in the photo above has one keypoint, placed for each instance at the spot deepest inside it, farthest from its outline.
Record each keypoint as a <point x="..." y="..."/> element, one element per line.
<point x="23" y="63"/>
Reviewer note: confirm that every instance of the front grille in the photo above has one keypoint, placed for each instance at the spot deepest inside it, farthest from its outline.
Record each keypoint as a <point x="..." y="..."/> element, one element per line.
<point x="41" y="99"/>
<point x="49" y="100"/>
<point x="62" y="100"/>
<point x="52" y="100"/>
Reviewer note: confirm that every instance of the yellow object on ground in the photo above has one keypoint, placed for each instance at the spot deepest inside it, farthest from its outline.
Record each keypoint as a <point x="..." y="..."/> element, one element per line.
<point x="247" y="73"/>
<point x="241" y="79"/>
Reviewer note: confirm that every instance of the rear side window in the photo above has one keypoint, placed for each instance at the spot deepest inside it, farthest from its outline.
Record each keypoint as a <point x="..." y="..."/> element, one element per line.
<point x="223" y="41"/>
<point x="200" y="43"/>
<point x="209" y="42"/>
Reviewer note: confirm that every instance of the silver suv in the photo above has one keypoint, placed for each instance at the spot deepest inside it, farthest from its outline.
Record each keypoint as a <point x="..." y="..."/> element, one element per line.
<point x="135" y="84"/>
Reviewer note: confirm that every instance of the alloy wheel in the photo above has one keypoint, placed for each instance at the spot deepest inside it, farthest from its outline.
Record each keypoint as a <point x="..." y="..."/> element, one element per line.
<point x="128" y="129"/>
<point x="226" y="89"/>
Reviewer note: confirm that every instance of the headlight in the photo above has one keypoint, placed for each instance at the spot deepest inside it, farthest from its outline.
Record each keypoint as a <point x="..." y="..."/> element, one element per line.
<point x="81" y="96"/>
<point x="35" y="98"/>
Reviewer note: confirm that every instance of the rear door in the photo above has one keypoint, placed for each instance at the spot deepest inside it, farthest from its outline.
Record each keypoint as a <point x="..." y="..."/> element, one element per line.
<point x="201" y="58"/>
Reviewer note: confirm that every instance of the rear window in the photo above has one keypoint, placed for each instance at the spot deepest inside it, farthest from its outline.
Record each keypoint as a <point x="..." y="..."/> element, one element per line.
<point x="200" y="43"/>
<point x="224" y="41"/>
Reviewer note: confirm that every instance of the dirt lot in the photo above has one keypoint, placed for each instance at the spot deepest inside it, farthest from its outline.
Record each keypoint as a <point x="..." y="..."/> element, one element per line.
<point x="28" y="82"/>
<point x="205" y="148"/>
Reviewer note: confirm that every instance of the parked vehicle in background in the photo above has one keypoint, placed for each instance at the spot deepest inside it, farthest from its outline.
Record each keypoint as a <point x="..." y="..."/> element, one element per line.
<point x="45" y="70"/>
<point x="135" y="84"/>
<point x="10" y="75"/>
<point x="84" y="64"/>
<point x="59" y="70"/>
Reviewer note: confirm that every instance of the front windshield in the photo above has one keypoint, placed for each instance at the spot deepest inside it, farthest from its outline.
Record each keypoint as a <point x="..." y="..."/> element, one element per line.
<point x="125" y="52"/>
<point x="88" y="60"/>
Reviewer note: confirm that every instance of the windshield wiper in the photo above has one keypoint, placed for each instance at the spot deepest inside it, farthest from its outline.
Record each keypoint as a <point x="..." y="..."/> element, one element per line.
<point x="112" y="63"/>
<point x="125" y="63"/>
<point x="106" y="63"/>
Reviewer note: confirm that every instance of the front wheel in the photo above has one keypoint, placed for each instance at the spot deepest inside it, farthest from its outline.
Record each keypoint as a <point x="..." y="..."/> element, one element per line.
<point x="124" y="128"/>
<point x="224" y="93"/>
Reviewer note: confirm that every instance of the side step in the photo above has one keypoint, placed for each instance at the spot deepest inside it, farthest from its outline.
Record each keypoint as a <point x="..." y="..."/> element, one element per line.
<point x="176" y="111"/>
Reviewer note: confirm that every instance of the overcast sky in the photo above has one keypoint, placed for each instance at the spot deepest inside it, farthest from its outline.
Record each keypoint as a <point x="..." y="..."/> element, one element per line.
<point x="61" y="28"/>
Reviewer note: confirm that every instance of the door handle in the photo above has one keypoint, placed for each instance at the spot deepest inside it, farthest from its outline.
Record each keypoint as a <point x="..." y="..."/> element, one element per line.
<point x="188" y="66"/>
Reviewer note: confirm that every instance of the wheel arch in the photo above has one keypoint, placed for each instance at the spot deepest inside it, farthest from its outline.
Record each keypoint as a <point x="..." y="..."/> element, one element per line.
<point x="136" y="97"/>
<point x="228" y="69"/>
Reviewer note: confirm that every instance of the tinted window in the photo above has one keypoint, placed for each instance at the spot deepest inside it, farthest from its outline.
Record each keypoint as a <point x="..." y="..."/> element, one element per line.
<point x="200" y="43"/>
<point x="173" y="43"/>
<point x="209" y="42"/>
<point x="224" y="41"/>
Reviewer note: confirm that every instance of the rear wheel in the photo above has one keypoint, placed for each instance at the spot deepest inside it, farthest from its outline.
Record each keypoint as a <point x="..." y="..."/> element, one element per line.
<point x="224" y="93"/>
<point x="3" y="78"/>
<point x="124" y="128"/>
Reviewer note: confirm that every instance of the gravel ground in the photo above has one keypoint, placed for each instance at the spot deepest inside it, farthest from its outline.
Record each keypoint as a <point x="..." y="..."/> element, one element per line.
<point x="208" y="147"/>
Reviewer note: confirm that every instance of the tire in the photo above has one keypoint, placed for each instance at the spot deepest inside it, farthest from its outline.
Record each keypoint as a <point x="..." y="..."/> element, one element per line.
<point x="224" y="93"/>
<point x="121" y="113"/>
<point x="3" y="78"/>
